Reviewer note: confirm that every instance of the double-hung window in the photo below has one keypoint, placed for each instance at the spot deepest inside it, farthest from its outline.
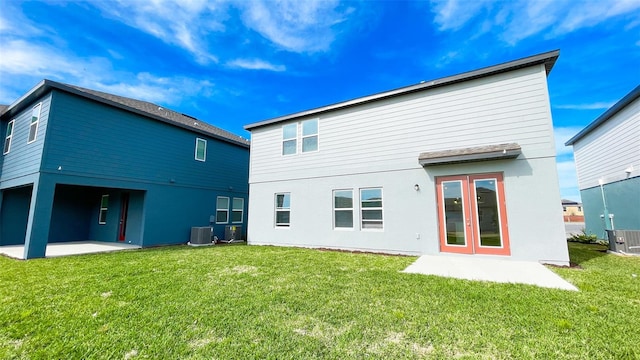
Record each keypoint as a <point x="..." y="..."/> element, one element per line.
<point x="222" y="210"/>
<point x="343" y="209"/>
<point x="283" y="209"/>
<point x="310" y="135"/>
<point x="33" y="127"/>
<point x="371" y="208"/>
<point x="237" y="211"/>
<point x="104" y="206"/>
<point x="201" y="149"/>
<point x="289" y="139"/>
<point x="7" y="138"/>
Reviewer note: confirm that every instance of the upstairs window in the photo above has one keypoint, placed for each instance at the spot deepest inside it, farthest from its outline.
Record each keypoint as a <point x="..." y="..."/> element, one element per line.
<point x="201" y="149"/>
<point x="33" y="127"/>
<point x="7" y="138"/>
<point x="371" y="208"/>
<point x="222" y="210"/>
<point x="104" y="206"/>
<point x="283" y="209"/>
<point x="237" y="211"/>
<point x="343" y="209"/>
<point x="310" y="135"/>
<point x="289" y="139"/>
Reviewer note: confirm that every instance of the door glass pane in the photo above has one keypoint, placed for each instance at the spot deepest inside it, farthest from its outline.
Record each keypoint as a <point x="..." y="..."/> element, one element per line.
<point x="454" y="212"/>
<point x="488" y="217"/>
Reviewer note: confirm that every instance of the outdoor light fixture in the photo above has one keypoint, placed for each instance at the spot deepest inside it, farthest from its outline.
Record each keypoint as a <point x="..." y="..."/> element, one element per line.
<point x="416" y="187"/>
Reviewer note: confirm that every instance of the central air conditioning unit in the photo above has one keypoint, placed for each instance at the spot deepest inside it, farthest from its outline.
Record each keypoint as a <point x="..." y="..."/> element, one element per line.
<point x="200" y="236"/>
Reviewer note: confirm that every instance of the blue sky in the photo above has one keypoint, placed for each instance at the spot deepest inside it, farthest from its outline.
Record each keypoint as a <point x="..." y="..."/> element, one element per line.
<point x="232" y="63"/>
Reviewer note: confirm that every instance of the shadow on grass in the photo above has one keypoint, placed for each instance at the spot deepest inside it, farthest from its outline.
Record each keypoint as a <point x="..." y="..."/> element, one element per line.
<point x="580" y="253"/>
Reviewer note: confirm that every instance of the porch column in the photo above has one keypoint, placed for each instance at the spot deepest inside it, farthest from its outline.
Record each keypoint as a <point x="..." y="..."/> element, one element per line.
<point x="37" y="236"/>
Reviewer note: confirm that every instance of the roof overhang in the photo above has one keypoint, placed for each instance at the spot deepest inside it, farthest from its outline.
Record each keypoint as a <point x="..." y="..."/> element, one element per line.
<point x="470" y="154"/>
<point x="630" y="97"/>
<point x="547" y="59"/>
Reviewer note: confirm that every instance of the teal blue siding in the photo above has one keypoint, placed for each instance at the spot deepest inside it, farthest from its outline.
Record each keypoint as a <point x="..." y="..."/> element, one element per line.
<point x="91" y="139"/>
<point x="24" y="159"/>
<point x="85" y="149"/>
<point x="13" y="224"/>
<point x="623" y="201"/>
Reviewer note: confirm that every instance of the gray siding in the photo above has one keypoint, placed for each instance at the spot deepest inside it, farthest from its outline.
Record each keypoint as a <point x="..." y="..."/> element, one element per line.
<point x="390" y="134"/>
<point x="607" y="151"/>
<point x="24" y="159"/>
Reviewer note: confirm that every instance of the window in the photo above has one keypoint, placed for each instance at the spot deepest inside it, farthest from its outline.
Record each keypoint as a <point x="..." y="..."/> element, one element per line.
<point x="237" y="212"/>
<point x="283" y="208"/>
<point x="289" y="142"/>
<point x="343" y="209"/>
<point x="35" y="119"/>
<point x="310" y="135"/>
<point x="371" y="208"/>
<point x="222" y="210"/>
<point x="7" y="138"/>
<point x="201" y="149"/>
<point x="104" y="206"/>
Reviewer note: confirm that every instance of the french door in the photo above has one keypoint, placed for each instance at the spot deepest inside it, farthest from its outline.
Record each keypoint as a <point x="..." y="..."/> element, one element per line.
<point x="472" y="217"/>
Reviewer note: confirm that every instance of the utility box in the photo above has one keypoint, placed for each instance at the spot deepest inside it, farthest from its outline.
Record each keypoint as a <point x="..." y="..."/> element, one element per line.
<point x="625" y="241"/>
<point x="200" y="235"/>
<point x="233" y="233"/>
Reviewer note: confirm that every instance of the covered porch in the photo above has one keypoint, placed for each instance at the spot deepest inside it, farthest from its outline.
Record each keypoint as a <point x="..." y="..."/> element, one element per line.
<point x="69" y="248"/>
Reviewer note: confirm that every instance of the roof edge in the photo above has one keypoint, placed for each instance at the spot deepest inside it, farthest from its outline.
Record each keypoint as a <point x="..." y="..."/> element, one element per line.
<point x="548" y="59"/>
<point x="626" y="100"/>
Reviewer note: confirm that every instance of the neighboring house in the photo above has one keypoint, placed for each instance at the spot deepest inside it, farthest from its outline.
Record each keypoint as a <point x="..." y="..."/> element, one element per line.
<point x="79" y="164"/>
<point x="462" y="164"/>
<point x="607" y="155"/>
<point x="572" y="211"/>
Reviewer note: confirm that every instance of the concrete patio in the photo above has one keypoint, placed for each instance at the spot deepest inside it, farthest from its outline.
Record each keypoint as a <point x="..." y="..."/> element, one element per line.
<point x="69" y="248"/>
<point x="489" y="269"/>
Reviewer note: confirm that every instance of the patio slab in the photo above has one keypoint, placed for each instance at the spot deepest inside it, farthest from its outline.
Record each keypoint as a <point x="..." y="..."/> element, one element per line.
<point x="69" y="248"/>
<point x="489" y="269"/>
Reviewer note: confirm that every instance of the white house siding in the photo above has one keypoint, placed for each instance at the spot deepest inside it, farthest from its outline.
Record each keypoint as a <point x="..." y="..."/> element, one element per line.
<point x="378" y="144"/>
<point x="611" y="148"/>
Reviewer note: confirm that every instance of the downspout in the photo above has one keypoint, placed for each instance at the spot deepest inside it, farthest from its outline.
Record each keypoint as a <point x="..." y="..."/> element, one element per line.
<point x="608" y="223"/>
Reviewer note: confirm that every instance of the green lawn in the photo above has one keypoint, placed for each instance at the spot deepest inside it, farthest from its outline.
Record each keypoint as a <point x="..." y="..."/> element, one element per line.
<point x="244" y="302"/>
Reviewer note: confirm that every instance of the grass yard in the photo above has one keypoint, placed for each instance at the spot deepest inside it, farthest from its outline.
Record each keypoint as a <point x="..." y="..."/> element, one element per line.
<point x="251" y="302"/>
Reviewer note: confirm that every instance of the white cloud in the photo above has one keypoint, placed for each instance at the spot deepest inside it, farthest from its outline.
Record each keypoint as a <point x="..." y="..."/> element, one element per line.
<point x="519" y="19"/>
<point x="182" y="23"/>
<point x="255" y="64"/>
<point x="297" y="26"/>
<point x="568" y="180"/>
<point x="590" y="106"/>
<point x="31" y="63"/>
<point x="561" y="135"/>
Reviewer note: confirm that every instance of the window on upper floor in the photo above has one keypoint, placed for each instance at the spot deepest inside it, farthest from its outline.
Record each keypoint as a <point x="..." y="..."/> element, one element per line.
<point x="237" y="210"/>
<point x="104" y="206"/>
<point x="7" y="138"/>
<point x="283" y="209"/>
<point x="289" y="139"/>
<point x="371" y="208"/>
<point x="343" y="209"/>
<point x="33" y="127"/>
<point x="222" y="210"/>
<point x="201" y="149"/>
<point x="310" y="135"/>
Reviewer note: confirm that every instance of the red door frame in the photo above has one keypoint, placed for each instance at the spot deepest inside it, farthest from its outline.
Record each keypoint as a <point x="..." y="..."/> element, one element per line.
<point x="124" y="210"/>
<point x="470" y="206"/>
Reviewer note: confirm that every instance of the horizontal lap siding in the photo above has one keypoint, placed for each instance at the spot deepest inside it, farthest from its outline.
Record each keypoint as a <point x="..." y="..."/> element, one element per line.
<point x="611" y="148"/>
<point x="24" y="159"/>
<point x="390" y="134"/>
<point x="91" y="139"/>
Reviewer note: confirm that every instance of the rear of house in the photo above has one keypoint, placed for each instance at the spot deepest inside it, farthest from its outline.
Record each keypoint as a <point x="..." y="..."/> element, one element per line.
<point x="79" y="165"/>
<point x="463" y="164"/>
<point x="607" y="155"/>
